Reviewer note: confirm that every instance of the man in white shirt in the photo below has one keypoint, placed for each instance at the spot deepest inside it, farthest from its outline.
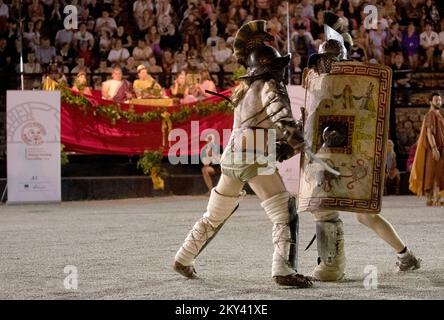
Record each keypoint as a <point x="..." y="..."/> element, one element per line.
<point x="213" y="38"/>
<point x="429" y="41"/>
<point x="118" y="55"/>
<point x="106" y="22"/>
<point x="222" y="53"/>
<point x="83" y="36"/>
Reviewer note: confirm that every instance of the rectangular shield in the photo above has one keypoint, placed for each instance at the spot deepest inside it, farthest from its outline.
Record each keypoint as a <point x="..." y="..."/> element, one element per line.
<point x="346" y="125"/>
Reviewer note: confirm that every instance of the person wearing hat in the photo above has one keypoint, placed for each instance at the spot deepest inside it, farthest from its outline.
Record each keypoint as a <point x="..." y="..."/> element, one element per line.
<point x="146" y="86"/>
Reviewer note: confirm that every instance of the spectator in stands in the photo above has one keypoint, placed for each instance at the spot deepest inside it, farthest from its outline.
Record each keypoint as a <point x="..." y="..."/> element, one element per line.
<point x="144" y="23"/>
<point x="103" y="68"/>
<point x="212" y="23"/>
<point x="145" y="86"/>
<point x="31" y="37"/>
<point x="142" y="52"/>
<point x="45" y="53"/>
<point x="206" y="84"/>
<point x="180" y="89"/>
<point x="80" y="66"/>
<point x="262" y="9"/>
<point x="80" y="84"/>
<point x="170" y="39"/>
<point x="54" y="22"/>
<point x="180" y="63"/>
<point x="296" y="70"/>
<point x="153" y="67"/>
<point x="63" y="36"/>
<point x="430" y="13"/>
<point x="394" y="41"/>
<point x="140" y="7"/>
<point x="410" y="45"/>
<point x="118" y="55"/>
<point x="318" y="24"/>
<point x="164" y="8"/>
<point x="210" y="157"/>
<point x="117" y="88"/>
<point x="83" y="36"/>
<point x="377" y="43"/>
<point x="85" y="53"/>
<point x="429" y="42"/>
<point x="32" y="66"/>
<point x="389" y="11"/>
<point x="213" y="39"/>
<point x="130" y="68"/>
<point x="222" y="52"/>
<point x="209" y="62"/>
<point x="4" y="15"/>
<point x="127" y="39"/>
<point x="105" y="22"/>
<point x="191" y="32"/>
<point x="299" y="19"/>
<point x="95" y="9"/>
<point x="68" y="54"/>
<point x="230" y="66"/>
<point x="105" y="43"/>
<point x="413" y="12"/>
<point x="11" y="33"/>
<point x="401" y="72"/>
<point x="302" y="42"/>
<point x="35" y="11"/>
<point x="358" y="52"/>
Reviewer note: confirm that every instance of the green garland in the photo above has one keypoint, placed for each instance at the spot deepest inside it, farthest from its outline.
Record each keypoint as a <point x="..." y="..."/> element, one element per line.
<point x="115" y="113"/>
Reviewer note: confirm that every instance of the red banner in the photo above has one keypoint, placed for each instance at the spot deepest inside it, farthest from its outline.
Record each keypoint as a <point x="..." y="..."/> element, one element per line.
<point x="95" y="134"/>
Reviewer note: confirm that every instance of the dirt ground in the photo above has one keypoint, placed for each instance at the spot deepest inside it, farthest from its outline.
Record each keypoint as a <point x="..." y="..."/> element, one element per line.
<point x="124" y="249"/>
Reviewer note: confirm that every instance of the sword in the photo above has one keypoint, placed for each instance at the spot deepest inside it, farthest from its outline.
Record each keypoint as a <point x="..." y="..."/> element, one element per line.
<point x="315" y="158"/>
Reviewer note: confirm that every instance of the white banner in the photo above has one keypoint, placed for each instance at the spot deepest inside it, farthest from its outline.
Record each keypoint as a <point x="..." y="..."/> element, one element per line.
<point x="289" y="170"/>
<point x="33" y="146"/>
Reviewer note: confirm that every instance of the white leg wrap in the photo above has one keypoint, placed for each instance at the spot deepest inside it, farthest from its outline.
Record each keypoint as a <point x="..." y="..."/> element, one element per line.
<point x="276" y="208"/>
<point x="218" y="210"/>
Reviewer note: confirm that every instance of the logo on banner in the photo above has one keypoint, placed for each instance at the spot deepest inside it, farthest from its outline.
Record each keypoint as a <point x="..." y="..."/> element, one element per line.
<point x="32" y="133"/>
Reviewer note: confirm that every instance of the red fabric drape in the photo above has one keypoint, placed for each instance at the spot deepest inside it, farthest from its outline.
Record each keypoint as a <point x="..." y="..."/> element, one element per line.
<point x="89" y="134"/>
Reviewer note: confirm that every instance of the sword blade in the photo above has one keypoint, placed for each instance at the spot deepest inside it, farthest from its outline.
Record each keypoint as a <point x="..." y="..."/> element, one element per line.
<point x="315" y="158"/>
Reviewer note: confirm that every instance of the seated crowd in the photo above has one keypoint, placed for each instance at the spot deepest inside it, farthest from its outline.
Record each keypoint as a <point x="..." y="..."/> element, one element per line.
<point x="161" y="42"/>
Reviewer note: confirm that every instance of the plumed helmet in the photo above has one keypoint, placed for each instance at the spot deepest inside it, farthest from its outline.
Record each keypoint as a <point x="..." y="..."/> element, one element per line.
<point x="250" y="36"/>
<point x="263" y="60"/>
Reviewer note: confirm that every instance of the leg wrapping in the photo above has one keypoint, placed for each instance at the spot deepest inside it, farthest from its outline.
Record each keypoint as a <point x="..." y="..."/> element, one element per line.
<point x="277" y="209"/>
<point x="219" y="209"/>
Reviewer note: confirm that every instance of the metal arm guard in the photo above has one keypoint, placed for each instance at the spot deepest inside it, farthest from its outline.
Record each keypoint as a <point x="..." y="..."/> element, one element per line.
<point x="290" y="131"/>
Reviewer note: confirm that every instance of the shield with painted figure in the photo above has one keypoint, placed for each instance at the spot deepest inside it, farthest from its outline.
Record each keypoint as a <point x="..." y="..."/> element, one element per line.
<point x="346" y="124"/>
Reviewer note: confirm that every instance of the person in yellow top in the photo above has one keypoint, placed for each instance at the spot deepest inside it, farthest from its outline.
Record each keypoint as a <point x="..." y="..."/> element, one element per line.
<point x="146" y="86"/>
